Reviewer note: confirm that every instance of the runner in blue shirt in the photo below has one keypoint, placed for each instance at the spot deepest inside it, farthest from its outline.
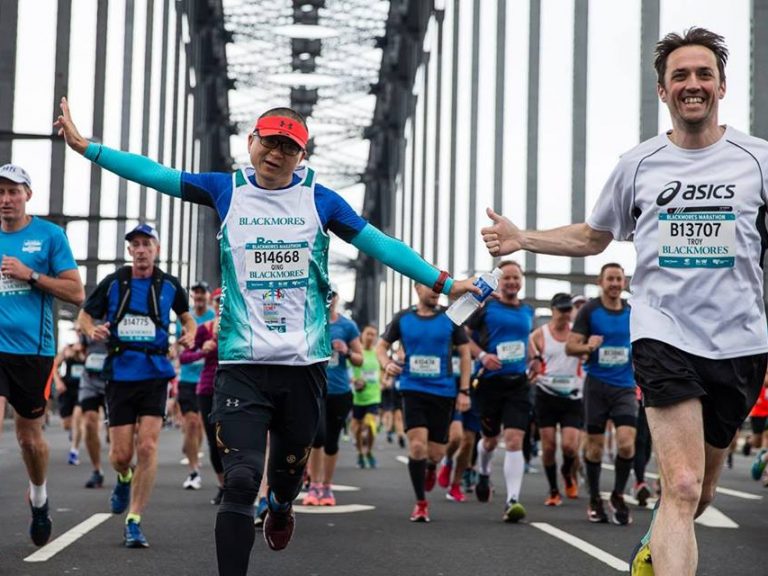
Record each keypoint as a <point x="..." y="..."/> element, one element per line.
<point x="427" y="383"/>
<point x="36" y="267"/>
<point x="347" y="352"/>
<point x="499" y="340"/>
<point x="189" y="375"/>
<point x="601" y="333"/>
<point x="136" y="302"/>
<point x="274" y="340"/>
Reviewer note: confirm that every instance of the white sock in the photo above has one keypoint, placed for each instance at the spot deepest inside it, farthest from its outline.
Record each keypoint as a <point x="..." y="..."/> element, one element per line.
<point x="514" y="468"/>
<point x="484" y="458"/>
<point x="38" y="494"/>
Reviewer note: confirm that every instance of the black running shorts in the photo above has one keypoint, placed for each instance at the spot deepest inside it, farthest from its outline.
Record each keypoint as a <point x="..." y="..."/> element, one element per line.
<point x="391" y="400"/>
<point x="503" y="400"/>
<point x="428" y="411"/>
<point x="187" y="397"/>
<point x="553" y="410"/>
<point x="26" y="381"/>
<point x="67" y="401"/>
<point x="727" y="388"/>
<point x="603" y="402"/>
<point x="127" y="401"/>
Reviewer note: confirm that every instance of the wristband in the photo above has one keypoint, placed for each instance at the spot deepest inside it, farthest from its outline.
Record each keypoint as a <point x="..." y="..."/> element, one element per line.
<point x="482" y="355"/>
<point x="440" y="283"/>
<point x="539" y="357"/>
<point x="464" y="391"/>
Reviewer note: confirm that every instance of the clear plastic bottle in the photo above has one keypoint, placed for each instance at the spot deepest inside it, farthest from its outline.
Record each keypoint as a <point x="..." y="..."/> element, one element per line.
<point x="465" y="306"/>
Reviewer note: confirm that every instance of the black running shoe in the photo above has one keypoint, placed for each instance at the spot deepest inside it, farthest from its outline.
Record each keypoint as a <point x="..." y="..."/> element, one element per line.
<point x="619" y="510"/>
<point x="40" y="528"/>
<point x="595" y="511"/>
<point x="278" y="528"/>
<point x="483" y="488"/>
<point x="96" y="480"/>
<point x="642" y="493"/>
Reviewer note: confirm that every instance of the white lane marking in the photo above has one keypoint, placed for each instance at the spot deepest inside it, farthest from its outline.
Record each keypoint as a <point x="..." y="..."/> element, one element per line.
<point x="402" y="459"/>
<point x="721" y="489"/>
<point x="712" y="517"/>
<point x="738" y="493"/>
<point x="70" y="536"/>
<point x="335" y="488"/>
<point x="343" y="488"/>
<point x="584" y="546"/>
<point x="341" y="509"/>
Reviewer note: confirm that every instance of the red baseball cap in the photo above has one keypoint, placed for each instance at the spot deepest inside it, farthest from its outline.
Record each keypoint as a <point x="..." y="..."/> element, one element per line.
<point x="283" y="126"/>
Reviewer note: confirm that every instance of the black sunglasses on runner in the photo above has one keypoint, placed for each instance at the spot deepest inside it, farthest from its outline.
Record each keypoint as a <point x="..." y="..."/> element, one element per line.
<point x="287" y="146"/>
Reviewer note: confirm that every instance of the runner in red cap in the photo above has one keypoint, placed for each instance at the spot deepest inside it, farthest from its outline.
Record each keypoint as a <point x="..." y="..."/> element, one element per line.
<point x="282" y="126"/>
<point x="274" y="342"/>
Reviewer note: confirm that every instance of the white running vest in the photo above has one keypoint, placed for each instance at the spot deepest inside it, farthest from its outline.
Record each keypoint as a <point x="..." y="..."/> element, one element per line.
<point x="562" y="373"/>
<point x="274" y="267"/>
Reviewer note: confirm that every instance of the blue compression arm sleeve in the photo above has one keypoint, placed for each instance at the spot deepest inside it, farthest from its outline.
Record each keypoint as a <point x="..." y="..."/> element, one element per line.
<point x="139" y="169"/>
<point x="398" y="256"/>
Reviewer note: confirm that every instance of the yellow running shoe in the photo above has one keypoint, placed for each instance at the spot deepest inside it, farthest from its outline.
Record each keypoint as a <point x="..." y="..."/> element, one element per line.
<point x="641" y="563"/>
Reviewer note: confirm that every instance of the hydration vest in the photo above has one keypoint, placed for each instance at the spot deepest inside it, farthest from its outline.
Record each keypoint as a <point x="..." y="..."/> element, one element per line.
<point x="124" y="278"/>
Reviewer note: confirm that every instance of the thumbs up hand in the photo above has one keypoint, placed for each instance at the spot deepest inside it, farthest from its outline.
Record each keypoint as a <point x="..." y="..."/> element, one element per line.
<point x="502" y="237"/>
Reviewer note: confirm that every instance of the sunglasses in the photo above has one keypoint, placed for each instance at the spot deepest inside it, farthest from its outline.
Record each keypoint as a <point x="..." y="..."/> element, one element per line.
<point x="287" y="146"/>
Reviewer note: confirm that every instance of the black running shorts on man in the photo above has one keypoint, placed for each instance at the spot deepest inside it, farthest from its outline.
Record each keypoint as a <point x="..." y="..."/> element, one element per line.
<point x="727" y="388"/>
<point x="435" y="413"/>
<point x="603" y="402"/>
<point x="503" y="401"/>
<point x="128" y="401"/>
<point x="26" y="382"/>
<point x="553" y="410"/>
<point x="187" y="398"/>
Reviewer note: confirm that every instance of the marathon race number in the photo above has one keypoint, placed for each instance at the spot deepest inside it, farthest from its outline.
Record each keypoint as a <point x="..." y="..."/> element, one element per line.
<point x="697" y="240"/>
<point x="95" y="362"/>
<point x="136" y="329"/>
<point x="277" y="265"/>
<point x="371" y="376"/>
<point x="424" y="366"/>
<point x="612" y="355"/>
<point x="511" y="351"/>
<point x="12" y="287"/>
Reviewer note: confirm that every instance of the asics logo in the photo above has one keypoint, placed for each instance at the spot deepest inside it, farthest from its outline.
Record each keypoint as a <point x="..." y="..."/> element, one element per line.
<point x="694" y="192"/>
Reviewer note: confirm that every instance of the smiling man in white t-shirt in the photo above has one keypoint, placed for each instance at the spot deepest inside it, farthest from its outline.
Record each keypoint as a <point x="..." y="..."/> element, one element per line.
<point x="693" y="201"/>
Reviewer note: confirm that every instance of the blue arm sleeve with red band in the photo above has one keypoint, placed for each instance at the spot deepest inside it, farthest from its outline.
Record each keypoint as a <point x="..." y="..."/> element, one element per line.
<point x="398" y="256"/>
<point x="136" y="168"/>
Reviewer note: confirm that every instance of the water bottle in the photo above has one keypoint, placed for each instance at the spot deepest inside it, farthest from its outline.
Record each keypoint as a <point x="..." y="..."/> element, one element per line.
<point x="465" y="306"/>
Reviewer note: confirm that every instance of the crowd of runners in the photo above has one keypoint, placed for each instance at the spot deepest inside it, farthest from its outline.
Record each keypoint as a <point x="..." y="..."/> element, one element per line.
<point x="268" y="372"/>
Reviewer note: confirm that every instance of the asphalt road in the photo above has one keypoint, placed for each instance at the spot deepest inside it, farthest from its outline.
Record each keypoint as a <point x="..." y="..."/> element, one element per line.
<point x="462" y="539"/>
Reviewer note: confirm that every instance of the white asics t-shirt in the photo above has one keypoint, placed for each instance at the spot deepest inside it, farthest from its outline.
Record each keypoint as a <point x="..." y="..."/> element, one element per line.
<point x="698" y="221"/>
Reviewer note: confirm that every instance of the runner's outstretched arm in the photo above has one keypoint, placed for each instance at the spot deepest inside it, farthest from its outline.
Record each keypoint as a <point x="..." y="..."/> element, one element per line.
<point x="405" y="260"/>
<point x="132" y="167"/>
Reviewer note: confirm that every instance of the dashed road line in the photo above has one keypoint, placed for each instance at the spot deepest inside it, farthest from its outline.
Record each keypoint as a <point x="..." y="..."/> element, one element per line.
<point x="584" y="546"/>
<point x="338" y="509"/>
<point x="69" y="537"/>
<point x="721" y="489"/>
